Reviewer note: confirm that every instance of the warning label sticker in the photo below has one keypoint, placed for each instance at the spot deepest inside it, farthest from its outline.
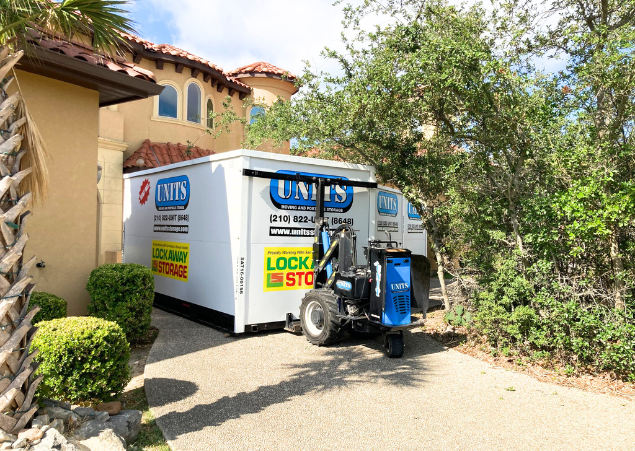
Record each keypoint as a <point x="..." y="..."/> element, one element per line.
<point x="288" y="268"/>
<point x="171" y="259"/>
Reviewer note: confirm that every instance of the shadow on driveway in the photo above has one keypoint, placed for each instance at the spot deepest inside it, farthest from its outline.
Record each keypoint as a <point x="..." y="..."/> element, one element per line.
<point x="356" y="361"/>
<point x="172" y="390"/>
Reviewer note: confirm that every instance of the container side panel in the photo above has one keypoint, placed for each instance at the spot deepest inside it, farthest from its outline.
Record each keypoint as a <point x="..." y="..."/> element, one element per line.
<point x="282" y="233"/>
<point x="386" y="210"/>
<point x="415" y="236"/>
<point x="177" y="222"/>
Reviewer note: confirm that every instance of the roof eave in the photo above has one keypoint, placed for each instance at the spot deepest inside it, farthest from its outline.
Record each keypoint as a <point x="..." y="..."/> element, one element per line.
<point x="113" y="87"/>
<point x="266" y="75"/>
<point x="221" y="78"/>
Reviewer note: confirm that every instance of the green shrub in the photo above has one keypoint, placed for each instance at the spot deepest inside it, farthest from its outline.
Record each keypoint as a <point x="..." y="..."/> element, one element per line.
<point x="52" y="307"/>
<point x="82" y="358"/>
<point x="123" y="293"/>
<point x="537" y="316"/>
<point x="458" y="316"/>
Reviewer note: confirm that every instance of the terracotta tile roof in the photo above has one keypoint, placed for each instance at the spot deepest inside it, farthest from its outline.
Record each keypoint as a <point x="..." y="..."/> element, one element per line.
<point x="169" y="49"/>
<point x="262" y="67"/>
<point x="87" y="54"/>
<point x="154" y="155"/>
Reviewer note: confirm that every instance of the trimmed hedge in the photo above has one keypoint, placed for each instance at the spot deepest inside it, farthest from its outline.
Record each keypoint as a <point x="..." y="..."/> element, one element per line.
<point x="123" y="293"/>
<point x="52" y="307"/>
<point x="82" y="359"/>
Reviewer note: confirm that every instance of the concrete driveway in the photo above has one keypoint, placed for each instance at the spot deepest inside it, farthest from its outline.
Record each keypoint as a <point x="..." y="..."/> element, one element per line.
<point x="276" y="391"/>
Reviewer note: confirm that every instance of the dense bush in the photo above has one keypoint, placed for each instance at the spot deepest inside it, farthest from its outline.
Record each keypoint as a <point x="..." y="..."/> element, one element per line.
<point x="52" y="307"/>
<point x="537" y="316"/>
<point x="82" y="358"/>
<point x="523" y="177"/>
<point x="123" y="293"/>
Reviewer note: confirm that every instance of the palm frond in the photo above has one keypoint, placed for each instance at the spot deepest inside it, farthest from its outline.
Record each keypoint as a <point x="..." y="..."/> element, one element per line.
<point x="103" y="21"/>
<point x="36" y="158"/>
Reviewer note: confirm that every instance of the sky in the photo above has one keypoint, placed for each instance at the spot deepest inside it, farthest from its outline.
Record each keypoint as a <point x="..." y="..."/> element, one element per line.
<point x="235" y="33"/>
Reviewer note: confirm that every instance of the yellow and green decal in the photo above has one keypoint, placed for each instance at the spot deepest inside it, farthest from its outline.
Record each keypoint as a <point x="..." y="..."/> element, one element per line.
<point x="170" y="259"/>
<point x="288" y="268"/>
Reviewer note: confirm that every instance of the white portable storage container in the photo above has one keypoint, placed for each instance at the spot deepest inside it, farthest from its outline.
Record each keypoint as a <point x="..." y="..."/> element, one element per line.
<point x="235" y="251"/>
<point x="396" y="219"/>
<point x="387" y="224"/>
<point x="415" y="237"/>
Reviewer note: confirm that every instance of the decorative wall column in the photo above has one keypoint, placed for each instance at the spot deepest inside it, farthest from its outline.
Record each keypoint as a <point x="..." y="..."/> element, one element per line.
<point x="110" y="186"/>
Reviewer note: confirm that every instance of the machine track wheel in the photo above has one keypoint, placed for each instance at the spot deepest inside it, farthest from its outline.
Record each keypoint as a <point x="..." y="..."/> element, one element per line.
<point x="394" y="345"/>
<point x="318" y="317"/>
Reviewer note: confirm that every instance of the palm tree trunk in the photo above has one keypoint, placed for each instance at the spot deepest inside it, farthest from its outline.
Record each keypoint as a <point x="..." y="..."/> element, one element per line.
<point x="17" y="380"/>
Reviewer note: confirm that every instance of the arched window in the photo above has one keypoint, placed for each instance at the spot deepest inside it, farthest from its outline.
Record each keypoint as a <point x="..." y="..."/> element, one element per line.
<point x="256" y="112"/>
<point x="194" y="103"/>
<point x="209" y="110"/>
<point x="168" y="102"/>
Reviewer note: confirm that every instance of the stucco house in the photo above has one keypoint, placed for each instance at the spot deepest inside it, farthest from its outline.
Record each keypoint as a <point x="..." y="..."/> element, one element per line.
<point x="156" y="131"/>
<point x="98" y="115"/>
<point x="64" y="86"/>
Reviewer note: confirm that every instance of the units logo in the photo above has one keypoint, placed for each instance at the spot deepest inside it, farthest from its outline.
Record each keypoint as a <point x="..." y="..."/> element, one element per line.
<point x="144" y="192"/>
<point x="172" y="193"/>
<point x="377" y="279"/>
<point x="288" y="268"/>
<point x="387" y="204"/>
<point x="171" y="259"/>
<point x="344" y="285"/>
<point x="412" y="212"/>
<point x="300" y="196"/>
<point x="401" y="286"/>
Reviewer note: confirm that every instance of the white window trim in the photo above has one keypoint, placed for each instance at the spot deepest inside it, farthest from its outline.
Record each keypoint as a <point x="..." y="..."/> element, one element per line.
<point x="261" y="106"/>
<point x="209" y="97"/>
<point x="201" y="106"/>
<point x="179" y="95"/>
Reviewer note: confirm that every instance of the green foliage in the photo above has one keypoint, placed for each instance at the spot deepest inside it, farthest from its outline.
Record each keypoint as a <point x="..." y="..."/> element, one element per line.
<point x="103" y="20"/>
<point x="544" y="320"/>
<point x="51" y="306"/>
<point x="82" y="359"/>
<point x="522" y="176"/>
<point x="221" y="122"/>
<point x="122" y="293"/>
<point x="458" y="317"/>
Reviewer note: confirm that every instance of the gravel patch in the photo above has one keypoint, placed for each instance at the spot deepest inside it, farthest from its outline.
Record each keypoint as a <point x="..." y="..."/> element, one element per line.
<point x="275" y="390"/>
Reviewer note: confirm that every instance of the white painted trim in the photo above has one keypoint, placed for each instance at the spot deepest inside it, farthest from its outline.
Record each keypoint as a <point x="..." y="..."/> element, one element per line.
<point x="209" y="97"/>
<point x="112" y="144"/>
<point x="257" y="105"/>
<point x="179" y="97"/>
<point x="169" y="120"/>
<point x="201" y="107"/>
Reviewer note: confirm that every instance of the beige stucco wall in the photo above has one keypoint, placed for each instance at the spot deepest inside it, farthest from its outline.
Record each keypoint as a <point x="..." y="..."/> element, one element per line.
<point x="266" y="91"/>
<point x="123" y="128"/>
<point x="134" y="122"/>
<point x="111" y="123"/>
<point x="63" y="231"/>
<point x="141" y="122"/>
